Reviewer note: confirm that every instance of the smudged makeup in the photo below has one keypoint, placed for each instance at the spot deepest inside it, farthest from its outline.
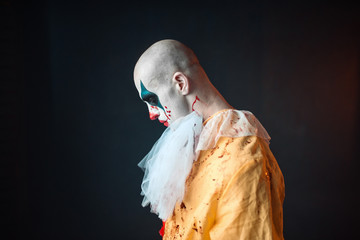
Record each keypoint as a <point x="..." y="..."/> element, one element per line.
<point x="150" y="97"/>
<point x="153" y="100"/>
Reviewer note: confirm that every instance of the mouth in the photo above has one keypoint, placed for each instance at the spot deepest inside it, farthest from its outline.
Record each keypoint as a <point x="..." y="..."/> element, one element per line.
<point x="166" y="124"/>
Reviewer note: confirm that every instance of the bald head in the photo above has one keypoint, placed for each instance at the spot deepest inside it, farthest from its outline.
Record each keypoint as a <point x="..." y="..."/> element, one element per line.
<point x="162" y="59"/>
<point x="172" y="83"/>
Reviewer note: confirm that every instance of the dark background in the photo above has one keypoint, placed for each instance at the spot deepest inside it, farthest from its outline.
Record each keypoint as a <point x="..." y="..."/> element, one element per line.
<point x="73" y="128"/>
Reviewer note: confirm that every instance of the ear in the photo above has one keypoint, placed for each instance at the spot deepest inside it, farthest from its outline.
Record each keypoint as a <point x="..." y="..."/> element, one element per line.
<point x="181" y="82"/>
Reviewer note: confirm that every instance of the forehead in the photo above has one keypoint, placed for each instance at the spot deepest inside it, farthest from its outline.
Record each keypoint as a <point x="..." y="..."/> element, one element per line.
<point x="143" y="75"/>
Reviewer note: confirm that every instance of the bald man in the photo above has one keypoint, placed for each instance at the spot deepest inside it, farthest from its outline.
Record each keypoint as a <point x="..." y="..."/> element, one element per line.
<point x="211" y="175"/>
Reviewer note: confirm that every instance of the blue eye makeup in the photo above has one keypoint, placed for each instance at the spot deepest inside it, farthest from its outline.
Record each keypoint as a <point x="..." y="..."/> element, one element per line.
<point x="150" y="97"/>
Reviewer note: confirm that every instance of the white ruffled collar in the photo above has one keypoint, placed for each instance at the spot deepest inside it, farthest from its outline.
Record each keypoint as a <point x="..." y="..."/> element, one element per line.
<point x="230" y="123"/>
<point x="170" y="160"/>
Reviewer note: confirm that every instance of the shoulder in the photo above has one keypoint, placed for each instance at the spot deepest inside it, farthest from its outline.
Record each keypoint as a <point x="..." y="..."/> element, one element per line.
<point x="230" y="154"/>
<point x="232" y="124"/>
<point x="219" y="164"/>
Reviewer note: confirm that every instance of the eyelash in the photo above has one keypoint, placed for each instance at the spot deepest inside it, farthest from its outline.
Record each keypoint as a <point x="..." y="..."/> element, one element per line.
<point x="152" y="100"/>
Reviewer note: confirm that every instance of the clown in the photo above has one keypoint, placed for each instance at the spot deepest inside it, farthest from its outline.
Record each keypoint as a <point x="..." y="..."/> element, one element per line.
<point x="211" y="175"/>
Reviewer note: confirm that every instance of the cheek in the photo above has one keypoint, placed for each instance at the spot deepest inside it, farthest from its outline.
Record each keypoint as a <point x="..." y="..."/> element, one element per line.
<point x="164" y="115"/>
<point x="167" y="111"/>
<point x="153" y="112"/>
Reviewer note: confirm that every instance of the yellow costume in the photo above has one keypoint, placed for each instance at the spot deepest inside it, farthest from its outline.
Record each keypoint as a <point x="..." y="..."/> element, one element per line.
<point x="234" y="191"/>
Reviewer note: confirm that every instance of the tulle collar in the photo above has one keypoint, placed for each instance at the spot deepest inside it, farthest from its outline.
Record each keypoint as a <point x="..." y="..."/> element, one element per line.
<point x="230" y="123"/>
<point x="221" y="111"/>
<point x="170" y="160"/>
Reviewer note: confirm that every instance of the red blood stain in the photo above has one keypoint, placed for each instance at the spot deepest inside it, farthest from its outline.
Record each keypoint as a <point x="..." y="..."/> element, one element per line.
<point x="167" y="116"/>
<point x="162" y="230"/>
<point x="196" y="99"/>
<point x="167" y="111"/>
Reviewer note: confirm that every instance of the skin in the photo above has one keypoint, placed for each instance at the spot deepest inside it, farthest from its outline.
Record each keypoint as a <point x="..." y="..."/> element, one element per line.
<point x="171" y="81"/>
<point x="153" y="102"/>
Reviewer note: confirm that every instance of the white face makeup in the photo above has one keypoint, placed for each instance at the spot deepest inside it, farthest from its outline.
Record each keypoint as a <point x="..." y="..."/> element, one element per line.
<point x="162" y="103"/>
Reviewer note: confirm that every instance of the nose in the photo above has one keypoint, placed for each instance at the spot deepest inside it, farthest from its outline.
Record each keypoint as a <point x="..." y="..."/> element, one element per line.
<point x="153" y="116"/>
<point x="154" y="112"/>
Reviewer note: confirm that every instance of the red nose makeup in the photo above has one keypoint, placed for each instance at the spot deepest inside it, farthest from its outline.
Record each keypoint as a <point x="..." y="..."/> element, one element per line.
<point x="153" y="116"/>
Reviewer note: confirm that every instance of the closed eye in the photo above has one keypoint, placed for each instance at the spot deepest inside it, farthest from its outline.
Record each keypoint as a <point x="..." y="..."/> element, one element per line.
<point x="151" y="98"/>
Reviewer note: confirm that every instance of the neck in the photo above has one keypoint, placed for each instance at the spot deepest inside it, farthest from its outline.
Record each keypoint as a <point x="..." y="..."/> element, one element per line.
<point x="208" y="102"/>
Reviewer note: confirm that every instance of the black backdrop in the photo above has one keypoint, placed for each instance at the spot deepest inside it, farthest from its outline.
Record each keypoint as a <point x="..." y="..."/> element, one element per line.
<point x="74" y="128"/>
